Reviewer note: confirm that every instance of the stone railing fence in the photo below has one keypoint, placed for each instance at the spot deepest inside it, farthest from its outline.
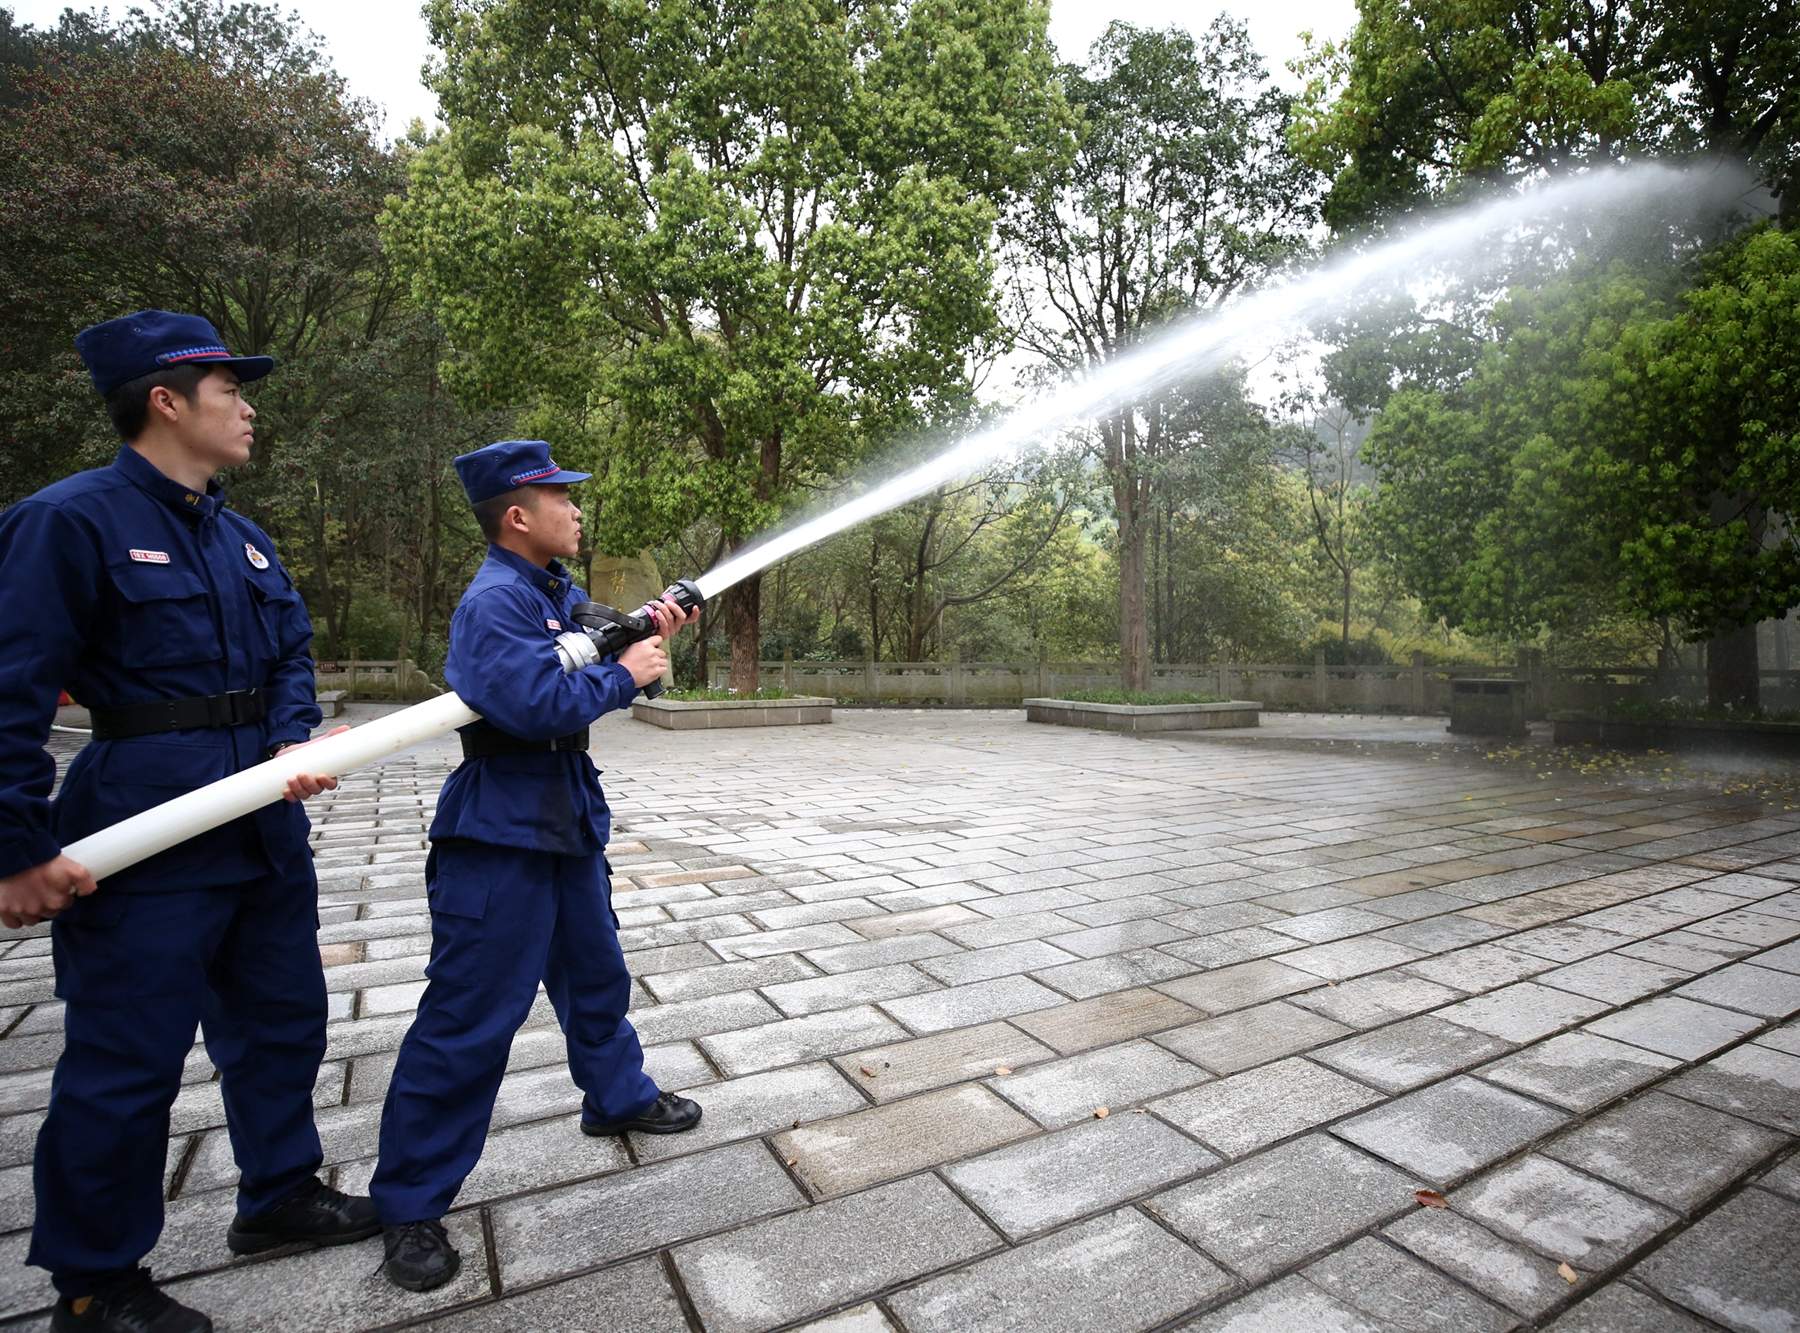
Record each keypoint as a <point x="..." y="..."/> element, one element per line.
<point x="397" y="679"/>
<point x="1416" y="688"/>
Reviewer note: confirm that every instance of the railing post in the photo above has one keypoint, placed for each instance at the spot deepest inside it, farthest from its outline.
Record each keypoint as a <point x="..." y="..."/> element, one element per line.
<point x="1418" y="682"/>
<point x="1043" y="674"/>
<point x="956" y="692"/>
<point x="1321" y="682"/>
<point x="869" y="679"/>
<point x="787" y="670"/>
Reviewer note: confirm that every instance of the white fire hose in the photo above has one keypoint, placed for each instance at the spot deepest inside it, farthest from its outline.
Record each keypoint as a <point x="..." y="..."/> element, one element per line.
<point x="161" y="827"/>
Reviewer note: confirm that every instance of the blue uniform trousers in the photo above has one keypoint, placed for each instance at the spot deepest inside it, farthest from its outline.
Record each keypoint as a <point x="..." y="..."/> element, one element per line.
<point x="502" y="919"/>
<point x="137" y="972"/>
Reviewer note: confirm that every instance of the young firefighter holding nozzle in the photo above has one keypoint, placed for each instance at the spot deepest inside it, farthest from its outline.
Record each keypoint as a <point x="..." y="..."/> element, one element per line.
<point x="169" y="616"/>
<point x="517" y="880"/>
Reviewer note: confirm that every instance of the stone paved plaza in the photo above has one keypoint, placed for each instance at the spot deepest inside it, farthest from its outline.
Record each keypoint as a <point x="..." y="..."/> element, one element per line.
<point x="1002" y="1026"/>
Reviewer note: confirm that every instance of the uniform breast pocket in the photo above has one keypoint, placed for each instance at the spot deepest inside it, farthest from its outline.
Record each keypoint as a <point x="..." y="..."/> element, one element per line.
<point x="272" y="597"/>
<point x="165" y="616"/>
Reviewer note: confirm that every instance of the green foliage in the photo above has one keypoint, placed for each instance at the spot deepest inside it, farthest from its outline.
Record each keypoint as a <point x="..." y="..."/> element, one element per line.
<point x="728" y="250"/>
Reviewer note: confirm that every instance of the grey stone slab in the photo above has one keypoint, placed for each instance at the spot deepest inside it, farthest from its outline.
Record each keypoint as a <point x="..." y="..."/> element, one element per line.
<point x="864" y="1318"/>
<point x="901" y="1069"/>
<point x="842" y="990"/>
<point x="1239" y="986"/>
<point x="1283" y="1306"/>
<point x="1407" y="1054"/>
<point x="1578" y="1070"/>
<point x="686" y="1019"/>
<point x="1566" y="943"/>
<point x="697" y="983"/>
<point x="1231" y="946"/>
<point x="1334" y="923"/>
<point x="796" y="939"/>
<point x="1105" y="1019"/>
<point x="1763" y="991"/>
<point x="1119" y="1271"/>
<point x="547" y="1235"/>
<point x="1680" y="948"/>
<point x="774" y="1272"/>
<point x="1754" y="1082"/>
<point x="1040" y="900"/>
<point x="1285" y="1205"/>
<point x="983" y="934"/>
<point x="1247" y="1111"/>
<point x="1676" y="1152"/>
<point x="1783" y="958"/>
<point x="1066" y="1091"/>
<point x="868" y="1146"/>
<point x="1484" y="967"/>
<point x="1617" y="1308"/>
<point x="1522" y="1012"/>
<point x="1668" y="1025"/>
<point x="1113" y="972"/>
<point x="1418" y="904"/>
<point x="1783" y="1179"/>
<point x="330" y="1290"/>
<point x="1350" y="958"/>
<point x="1562" y="1213"/>
<point x="1756" y="929"/>
<point x="878" y="953"/>
<point x="1116" y="911"/>
<point x="1445" y="1132"/>
<point x="1737" y="1265"/>
<point x="1236" y="1041"/>
<point x="1614" y="977"/>
<point x="741" y="1108"/>
<point x="1098" y="940"/>
<point x="1441" y="934"/>
<point x="1402" y="1293"/>
<point x="1038" y="1184"/>
<point x="978" y="1002"/>
<point x="1000" y="961"/>
<point x="1784" y="1038"/>
<point x="1506" y="1273"/>
<point x="795" y="1040"/>
<point x="1381" y="997"/>
<point x="635" y="1296"/>
<point x="1218" y="917"/>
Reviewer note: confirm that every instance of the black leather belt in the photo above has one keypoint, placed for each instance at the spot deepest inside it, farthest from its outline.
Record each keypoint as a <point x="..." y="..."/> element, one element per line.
<point x="482" y="741"/>
<point x="149" y="719"/>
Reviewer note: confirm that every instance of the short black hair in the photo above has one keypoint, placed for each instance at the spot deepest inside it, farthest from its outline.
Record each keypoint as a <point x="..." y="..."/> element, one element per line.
<point x="491" y="510"/>
<point x="129" y="404"/>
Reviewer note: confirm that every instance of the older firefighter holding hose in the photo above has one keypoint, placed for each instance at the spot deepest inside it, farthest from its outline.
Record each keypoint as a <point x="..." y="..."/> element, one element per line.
<point x="170" y="617"/>
<point x="517" y="879"/>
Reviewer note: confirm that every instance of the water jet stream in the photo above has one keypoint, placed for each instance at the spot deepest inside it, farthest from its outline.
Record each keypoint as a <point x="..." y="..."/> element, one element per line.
<point x="1192" y="347"/>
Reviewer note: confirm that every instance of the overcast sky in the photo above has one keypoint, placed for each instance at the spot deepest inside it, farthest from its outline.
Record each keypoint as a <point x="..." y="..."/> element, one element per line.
<point x="379" y="45"/>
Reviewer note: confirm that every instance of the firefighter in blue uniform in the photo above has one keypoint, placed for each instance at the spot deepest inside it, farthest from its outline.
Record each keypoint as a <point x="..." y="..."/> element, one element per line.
<point x="518" y="884"/>
<point x="170" y="617"/>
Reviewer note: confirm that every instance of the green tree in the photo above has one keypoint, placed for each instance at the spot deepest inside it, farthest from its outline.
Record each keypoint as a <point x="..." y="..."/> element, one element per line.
<point x="1181" y="194"/>
<point x="727" y="249"/>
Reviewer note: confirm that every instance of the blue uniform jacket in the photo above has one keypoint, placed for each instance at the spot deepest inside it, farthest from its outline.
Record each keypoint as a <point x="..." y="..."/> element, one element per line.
<point x="122" y="586"/>
<point x="503" y="663"/>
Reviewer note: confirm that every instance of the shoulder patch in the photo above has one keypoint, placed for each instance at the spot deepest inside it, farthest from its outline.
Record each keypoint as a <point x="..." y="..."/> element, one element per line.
<point x="256" y="558"/>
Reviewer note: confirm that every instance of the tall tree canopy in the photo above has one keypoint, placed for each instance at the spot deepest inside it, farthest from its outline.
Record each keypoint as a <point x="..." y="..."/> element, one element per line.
<point x="726" y="247"/>
<point x="1182" y="192"/>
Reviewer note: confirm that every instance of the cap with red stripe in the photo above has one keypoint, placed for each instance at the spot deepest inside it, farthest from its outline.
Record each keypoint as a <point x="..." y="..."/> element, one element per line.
<point x="508" y="465"/>
<point x="139" y="344"/>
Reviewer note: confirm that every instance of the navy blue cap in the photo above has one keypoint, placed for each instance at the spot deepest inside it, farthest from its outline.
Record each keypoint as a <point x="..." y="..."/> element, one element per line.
<point x="508" y="465"/>
<point x="122" y="349"/>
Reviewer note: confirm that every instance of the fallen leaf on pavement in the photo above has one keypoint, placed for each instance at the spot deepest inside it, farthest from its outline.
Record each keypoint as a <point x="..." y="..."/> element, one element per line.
<point x="866" y="1071"/>
<point x="1430" y="1199"/>
<point x="1002" y="1070"/>
<point x="1568" y="1274"/>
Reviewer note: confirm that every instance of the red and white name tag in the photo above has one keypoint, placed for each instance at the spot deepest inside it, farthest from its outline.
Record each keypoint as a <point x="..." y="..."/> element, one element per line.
<point x="150" y="557"/>
<point x="553" y="624"/>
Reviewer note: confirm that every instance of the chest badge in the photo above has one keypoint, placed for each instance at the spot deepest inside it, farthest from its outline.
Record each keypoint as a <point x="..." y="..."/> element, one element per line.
<point x="553" y="624"/>
<point x="256" y="558"/>
<point x="150" y="557"/>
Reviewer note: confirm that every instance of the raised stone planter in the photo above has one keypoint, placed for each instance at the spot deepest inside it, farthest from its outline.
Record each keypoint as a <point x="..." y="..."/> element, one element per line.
<point x="711" y="714"/>
<point x="1779" y="740"/>
<point x="1144" y="717"/>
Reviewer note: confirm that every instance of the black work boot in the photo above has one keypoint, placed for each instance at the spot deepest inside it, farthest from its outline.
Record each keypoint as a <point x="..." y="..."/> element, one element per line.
<point x="132" y="1305"/>
<point x="419" y="1255"/>
<point x="313" y="1215"/>
<point x="670" y="1113"/>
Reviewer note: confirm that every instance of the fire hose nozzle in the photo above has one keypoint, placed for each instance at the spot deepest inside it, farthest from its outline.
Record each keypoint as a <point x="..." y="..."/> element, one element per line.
<point x="605" y="632"/>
